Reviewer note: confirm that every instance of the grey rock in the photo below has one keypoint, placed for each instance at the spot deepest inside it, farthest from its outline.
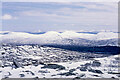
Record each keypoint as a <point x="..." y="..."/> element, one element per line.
<point x="42" y="71"/>
<point x="72" y="70"/>
<point x="96" y="63"/>
<point x="95" y="71"/>
<point x="67" y="74"/>
<point x="54" y="66"/>
<point x="22" y="75"/>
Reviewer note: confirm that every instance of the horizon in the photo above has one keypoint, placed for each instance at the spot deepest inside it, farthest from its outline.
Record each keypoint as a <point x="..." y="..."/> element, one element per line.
<point x="65" y="31"/>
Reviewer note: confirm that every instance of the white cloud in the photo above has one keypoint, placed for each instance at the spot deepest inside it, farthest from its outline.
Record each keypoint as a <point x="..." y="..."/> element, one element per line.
<point x="8" y="17"/>
<point x="105" y="15"/>
<point x="102" y="15"/>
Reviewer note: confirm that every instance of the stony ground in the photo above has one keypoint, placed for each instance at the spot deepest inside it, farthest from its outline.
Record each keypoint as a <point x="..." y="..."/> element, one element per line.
<point x="28" y="61"/>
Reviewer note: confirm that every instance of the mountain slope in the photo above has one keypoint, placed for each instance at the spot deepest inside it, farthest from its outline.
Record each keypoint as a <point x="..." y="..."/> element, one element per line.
<point x="64" y="38"/>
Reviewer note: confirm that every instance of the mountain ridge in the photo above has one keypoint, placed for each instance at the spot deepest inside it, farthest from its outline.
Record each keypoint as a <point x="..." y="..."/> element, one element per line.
<point x="64" y="38"/>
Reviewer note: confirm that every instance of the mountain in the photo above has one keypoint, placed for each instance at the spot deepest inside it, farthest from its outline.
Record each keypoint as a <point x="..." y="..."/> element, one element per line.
<point x="63" y="38"/>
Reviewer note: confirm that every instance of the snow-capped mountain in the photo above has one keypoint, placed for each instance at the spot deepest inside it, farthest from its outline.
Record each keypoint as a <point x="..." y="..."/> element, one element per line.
<point x="63" y="38"/>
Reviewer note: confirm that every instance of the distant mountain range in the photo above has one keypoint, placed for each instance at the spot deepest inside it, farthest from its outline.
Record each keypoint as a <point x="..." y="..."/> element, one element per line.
<point x="61" y="38"/>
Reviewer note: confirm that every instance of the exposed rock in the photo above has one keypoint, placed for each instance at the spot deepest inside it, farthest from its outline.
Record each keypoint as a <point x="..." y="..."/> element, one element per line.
<point x="67" y="74"/>
<point x="3" y="53"/>
<point x="16" y="64"/>
<point x="42" y="71"/>
<point x="87" y="64"/>
<point x="81" y="75"/>
<point x="96" y="63"/>
<point x="54" y="66"/>
<point x="113" y="77"/>
<point x="83" y="68"/>
<point x="41" y="63"/>
<point x="113" y="73"/>
<point x="30" y="72"/>
<point x="22" y="75"/>
<point x="35" y="62"/>
<point x="117" y="58"/>
<point x="95" y="71"/>
<point x="96" y="75"/>
<point x="71" y="70"/>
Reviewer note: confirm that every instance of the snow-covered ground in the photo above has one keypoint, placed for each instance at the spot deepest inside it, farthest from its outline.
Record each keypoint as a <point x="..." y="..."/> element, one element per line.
<point x="28" y="61"/>
<point x="72" y="70"/>
<point x="27" y="55"/>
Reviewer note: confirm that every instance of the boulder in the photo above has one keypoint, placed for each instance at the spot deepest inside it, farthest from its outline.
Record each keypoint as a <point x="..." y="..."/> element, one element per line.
<point x="95" y="71"/>
<point x="54" y="66"/>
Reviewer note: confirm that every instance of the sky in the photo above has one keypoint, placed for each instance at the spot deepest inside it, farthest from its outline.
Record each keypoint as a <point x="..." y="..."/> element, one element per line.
<point x="59" y="16"/>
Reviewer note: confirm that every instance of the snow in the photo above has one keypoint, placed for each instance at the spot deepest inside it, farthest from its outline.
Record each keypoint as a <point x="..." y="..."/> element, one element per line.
<point x="52" y="37"/>
<point x="106" y="35"/>
<point x="50" y="72"/>
<point x="28" y="54"/>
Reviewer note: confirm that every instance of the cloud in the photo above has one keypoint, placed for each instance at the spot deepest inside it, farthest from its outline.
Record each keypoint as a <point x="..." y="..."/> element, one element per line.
<point x="91" y="14"/>
<point x="74" y="16"/>
<point x="8" y="17"/>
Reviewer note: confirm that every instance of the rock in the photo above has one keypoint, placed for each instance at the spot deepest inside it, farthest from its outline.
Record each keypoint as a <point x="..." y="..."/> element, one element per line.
<point x="16" y="64"/>
<point x="41" y="63"/>
<point x="53" y="75"/>
<point x="118" y="75"/>
<point x="67" y="74"/>
<point x="83" y="68"/>
<point x="113" y="77"/>
<point x="36" y="78"/>
<point x="3" y="53"/>
<point x="70" y="58"/>
<point x="35" y="62"/>
<point x="54" y="66"/>
<point x="42" y="71"/>
<point x="96" y="75"/>
<point x="81" y="75"/>
<point x="95" y="71"/>
<point x="96" y="64"/>
<point x="22" y="75"/>
<point x="77" y="78"/>
<point x="30" y="72"/>
<point x="71" y="70"/>
<point x="117" y="58"/>
<point x="113" y="73"/>
<point x="9" y="74"/>
<point x="87" y="64"/>
<point x="6" y="77"/>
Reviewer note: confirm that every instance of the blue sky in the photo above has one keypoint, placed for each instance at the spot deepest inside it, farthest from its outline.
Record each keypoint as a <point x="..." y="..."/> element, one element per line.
<point x="53" y="16"/>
